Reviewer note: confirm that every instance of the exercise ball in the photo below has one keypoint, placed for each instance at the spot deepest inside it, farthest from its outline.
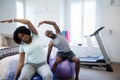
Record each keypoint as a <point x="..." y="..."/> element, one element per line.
<point x="65" y="69"/>
<point x="36" y="77"/>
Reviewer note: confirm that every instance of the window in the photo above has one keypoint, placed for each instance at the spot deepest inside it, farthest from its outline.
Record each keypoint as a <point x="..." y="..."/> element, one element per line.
<point x="76" y="22"/>
<point x="83" y="20"/>
<point x="19" y="10"/>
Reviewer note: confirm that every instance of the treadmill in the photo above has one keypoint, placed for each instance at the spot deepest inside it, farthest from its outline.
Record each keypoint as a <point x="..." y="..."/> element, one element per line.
<point x="100" y="61"/>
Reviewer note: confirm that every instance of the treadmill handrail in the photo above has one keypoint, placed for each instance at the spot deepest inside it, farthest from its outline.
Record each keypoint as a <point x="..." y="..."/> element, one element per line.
<point x="97" y="31"/>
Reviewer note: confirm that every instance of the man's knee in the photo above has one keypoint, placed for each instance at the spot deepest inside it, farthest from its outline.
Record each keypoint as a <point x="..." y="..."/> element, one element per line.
<point x="57" y="61"/>
<point x="77" y="61"/>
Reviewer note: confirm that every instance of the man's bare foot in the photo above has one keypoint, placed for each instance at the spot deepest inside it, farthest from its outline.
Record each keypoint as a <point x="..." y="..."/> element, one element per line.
<point x="76" y="78"/>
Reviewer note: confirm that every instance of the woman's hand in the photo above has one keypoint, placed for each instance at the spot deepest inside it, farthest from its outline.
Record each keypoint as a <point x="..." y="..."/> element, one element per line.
<point x="9" y="21"/>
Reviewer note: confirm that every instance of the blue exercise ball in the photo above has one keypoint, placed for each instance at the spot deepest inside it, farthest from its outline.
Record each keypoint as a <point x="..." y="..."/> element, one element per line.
<point x="65" y="69"/>
<point x="36" y="77"/>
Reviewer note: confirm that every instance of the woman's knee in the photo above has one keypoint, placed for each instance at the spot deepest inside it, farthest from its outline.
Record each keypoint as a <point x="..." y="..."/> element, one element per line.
<point x="24" y="77"/>
<point x="48" y="76"/>
<point x="27" y="72"/>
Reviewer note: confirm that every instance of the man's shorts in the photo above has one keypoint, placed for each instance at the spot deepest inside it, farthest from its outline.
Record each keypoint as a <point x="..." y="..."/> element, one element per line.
<point x="66" y="55"/>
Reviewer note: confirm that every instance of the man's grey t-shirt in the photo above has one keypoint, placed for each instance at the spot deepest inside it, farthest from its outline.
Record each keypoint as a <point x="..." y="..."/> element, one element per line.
<point x="61" y="43"/>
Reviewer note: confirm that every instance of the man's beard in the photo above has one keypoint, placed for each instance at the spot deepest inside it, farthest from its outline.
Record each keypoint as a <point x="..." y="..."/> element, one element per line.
<point x="53" y="37"/>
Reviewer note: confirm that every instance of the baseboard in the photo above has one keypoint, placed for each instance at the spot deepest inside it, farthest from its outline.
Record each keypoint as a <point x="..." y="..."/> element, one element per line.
<point x="115" y="62"/>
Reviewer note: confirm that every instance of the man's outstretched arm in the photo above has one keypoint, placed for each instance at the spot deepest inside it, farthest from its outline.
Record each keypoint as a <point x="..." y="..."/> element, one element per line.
<point x="51" y="23"/>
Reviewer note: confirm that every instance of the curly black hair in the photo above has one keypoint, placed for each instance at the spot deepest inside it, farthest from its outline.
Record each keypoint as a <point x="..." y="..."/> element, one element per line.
<point x="23" y="30"/>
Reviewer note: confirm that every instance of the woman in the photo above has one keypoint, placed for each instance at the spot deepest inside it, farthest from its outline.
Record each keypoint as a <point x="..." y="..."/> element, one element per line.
<point x="31" y="53"/>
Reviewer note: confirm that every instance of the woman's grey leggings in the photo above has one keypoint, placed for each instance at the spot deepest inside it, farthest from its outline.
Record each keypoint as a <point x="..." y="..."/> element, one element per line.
<point x="29" y="70"/>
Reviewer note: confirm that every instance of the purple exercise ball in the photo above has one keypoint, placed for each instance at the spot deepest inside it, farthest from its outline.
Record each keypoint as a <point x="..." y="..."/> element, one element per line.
<point x="65" y="69"/>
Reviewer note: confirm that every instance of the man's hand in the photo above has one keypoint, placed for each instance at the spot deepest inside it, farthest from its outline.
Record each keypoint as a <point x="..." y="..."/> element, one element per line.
<point x="40" y="23"/>
<point x="48" y="61"/>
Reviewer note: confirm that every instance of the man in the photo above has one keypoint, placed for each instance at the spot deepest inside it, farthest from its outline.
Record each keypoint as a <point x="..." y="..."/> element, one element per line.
<point x="64" y="52"/>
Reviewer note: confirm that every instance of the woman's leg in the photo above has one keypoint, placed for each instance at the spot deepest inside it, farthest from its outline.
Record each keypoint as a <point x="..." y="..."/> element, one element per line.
<point x="45" y="72"/>
<point x="27" y="72"/>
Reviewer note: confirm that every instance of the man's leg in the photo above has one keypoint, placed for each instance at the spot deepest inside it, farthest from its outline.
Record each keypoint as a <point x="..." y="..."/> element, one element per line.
<point x="57" y="61"/>
<point x="77" y="66"/>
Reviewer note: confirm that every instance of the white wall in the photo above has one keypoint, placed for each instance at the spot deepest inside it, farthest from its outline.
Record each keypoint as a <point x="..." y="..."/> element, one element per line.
<point x="35" y="11"/>
<point x="38" y="10"/>
<point x="110" y="36"/>
<point x="7" y="11"/>
<point x="45" y="10"/>
<point x="109" y="16"/>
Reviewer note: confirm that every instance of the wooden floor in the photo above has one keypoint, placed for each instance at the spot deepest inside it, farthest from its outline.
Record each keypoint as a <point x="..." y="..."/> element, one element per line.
<point x="99" y="74"/>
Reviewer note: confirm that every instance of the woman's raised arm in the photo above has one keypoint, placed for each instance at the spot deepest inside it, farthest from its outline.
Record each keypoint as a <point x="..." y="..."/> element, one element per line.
<point x="24" y="21"/>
